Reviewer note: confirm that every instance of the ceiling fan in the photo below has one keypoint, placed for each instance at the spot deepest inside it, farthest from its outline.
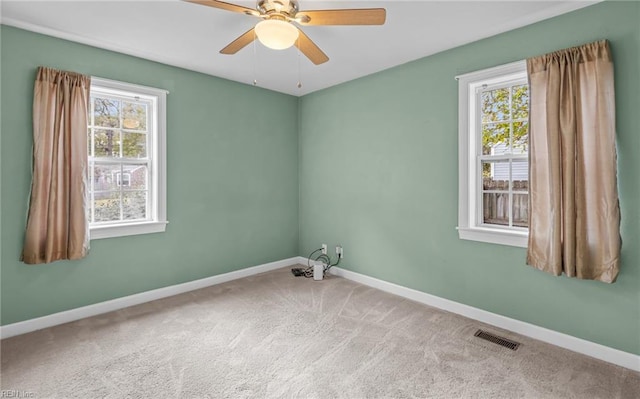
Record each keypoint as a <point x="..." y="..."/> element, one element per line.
<point x="277" y="31"/>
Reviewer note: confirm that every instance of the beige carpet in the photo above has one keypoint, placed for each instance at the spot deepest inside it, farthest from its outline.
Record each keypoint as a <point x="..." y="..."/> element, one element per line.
<point x="275" y="335"/>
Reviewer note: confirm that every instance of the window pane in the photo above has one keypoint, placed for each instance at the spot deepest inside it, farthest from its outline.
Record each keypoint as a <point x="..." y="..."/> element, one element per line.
<point x="107" y="206"/>
<point x="106" y="143"/>
<point x="495" y="105"/>
<point x="520" y="137"/>
<point x="495" y="175"/>
<point x="134" y="205"/>
<point x="106" y="177"/>
<point x="520" y="175"/>
<point x="495" y="138"/>
<point x="136" y="175"/>
<point x="134" y="116"/>
<point x="520" y="210"/>
<point x="134" y="145"/>
<point x="106" y="112"/>
<point x="495" y="208"/>
<point x="520" y="101"/>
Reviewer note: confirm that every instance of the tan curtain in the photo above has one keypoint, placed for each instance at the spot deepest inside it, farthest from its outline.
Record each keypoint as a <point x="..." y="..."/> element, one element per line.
<point x="57" y="225"/>
<point x="574" y="221"/>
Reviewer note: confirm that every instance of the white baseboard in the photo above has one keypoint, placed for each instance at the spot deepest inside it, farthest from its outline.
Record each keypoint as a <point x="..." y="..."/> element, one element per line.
<point x="67" y="316"/>
<point x="610" y="355"/>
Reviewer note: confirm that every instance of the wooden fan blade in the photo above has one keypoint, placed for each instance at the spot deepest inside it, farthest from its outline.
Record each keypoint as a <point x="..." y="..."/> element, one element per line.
<point x="363" y="16"/>
<point x="225" y="6"/>
<point x="238" y="44"/>
<point x="310" y="49"/>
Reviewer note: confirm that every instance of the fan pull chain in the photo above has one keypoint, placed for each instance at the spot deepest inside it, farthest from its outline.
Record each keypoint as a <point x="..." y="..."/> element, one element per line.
<point x="255" y="82"/>
<point x="299" y="73"/>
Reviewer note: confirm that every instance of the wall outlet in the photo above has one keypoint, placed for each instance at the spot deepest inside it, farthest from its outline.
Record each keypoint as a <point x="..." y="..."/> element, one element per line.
<point x="324" y="249"/>
<point x="339" y="252"/>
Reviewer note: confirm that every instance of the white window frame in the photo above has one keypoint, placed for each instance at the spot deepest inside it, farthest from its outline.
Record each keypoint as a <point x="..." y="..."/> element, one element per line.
<point x="157" y="208"/>
<point x="470" y="226"/>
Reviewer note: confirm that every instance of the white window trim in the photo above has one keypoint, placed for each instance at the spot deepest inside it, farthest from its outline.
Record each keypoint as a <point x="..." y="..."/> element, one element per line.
<point x="468" y="226"/>
<point x="158" y="151"/>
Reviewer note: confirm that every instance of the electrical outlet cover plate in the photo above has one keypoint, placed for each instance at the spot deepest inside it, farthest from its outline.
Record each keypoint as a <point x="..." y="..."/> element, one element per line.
<point x="324" y="249"/>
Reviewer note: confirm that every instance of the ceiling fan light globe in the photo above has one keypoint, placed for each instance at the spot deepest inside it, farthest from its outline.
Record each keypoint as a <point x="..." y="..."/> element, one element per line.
<point x="276" y="34"/>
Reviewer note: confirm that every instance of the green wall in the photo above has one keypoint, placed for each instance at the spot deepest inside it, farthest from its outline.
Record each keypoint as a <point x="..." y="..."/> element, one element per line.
<point x="379" y="175"/>
<point x="232" y="168"/>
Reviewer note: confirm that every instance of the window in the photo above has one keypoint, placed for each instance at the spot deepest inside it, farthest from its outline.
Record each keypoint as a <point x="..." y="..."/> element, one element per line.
<point x="493" y="155"/>
<point x="126" y="139"/>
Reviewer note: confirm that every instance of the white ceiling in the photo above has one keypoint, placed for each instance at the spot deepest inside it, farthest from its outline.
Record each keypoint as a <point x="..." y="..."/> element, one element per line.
<point x="190" y="36"/>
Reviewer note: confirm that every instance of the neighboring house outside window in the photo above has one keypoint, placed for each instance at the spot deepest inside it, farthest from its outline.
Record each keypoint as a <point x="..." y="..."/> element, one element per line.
<point x="126" y="159"/>
<point x="493" y="155"/>
<point x="124" y="178"/>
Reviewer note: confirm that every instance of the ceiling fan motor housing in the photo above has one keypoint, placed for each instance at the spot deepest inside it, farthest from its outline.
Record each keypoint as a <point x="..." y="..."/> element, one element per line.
<point x="288" y="8"/>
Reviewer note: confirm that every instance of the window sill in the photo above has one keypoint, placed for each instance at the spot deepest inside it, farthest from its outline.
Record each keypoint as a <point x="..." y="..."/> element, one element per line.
<point x="494" y="236"/>
<point x="98" y="232"/>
